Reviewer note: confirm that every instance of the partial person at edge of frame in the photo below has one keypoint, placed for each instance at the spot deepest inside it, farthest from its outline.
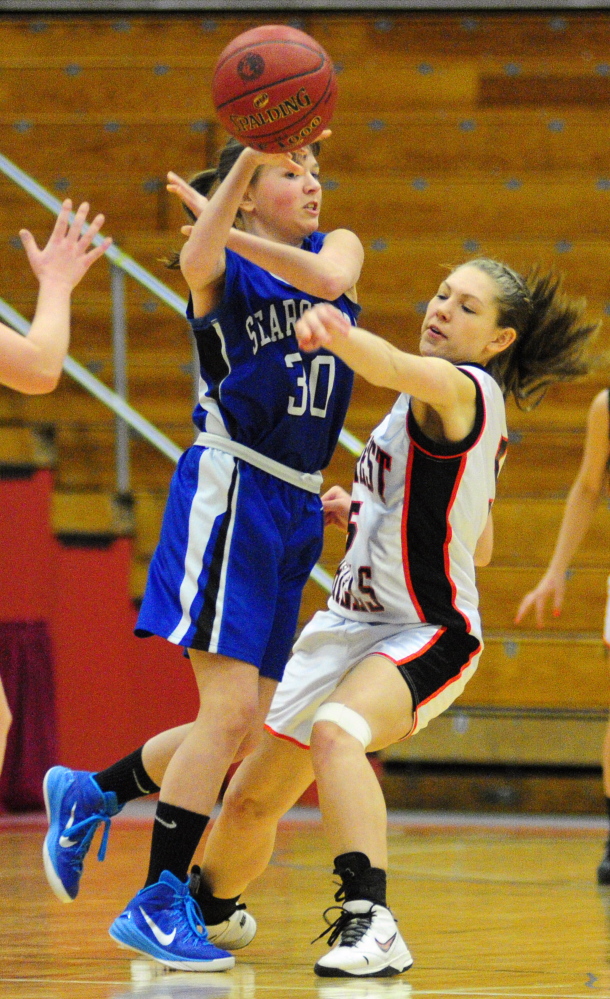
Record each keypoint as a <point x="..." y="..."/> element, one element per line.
<point x="487" y="303"/>
<point x="582" y="501"/>
<point x="32" y="364"/>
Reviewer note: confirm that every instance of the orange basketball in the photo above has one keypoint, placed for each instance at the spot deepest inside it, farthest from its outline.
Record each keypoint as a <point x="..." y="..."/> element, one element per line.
<point x="274" y="88"/>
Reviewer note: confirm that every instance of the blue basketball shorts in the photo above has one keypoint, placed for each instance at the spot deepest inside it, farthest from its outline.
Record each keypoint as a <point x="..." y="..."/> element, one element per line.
<point x="237" y="546"/>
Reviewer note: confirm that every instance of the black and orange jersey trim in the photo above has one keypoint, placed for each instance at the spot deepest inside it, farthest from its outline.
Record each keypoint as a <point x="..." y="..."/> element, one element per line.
<point x="433" y="474"/>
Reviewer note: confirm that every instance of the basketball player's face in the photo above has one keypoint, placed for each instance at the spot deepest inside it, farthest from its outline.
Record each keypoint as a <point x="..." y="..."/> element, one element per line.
<point x="461" y="320"/>
<point x="285" y="206"/>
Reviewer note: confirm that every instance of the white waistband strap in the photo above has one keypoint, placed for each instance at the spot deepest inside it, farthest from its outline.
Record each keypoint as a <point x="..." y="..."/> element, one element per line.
<point x="311" y="481"/>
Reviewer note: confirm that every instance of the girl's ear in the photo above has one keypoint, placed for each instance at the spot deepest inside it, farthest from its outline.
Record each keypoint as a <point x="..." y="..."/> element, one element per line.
<point x="503" y="340"/>
<point x="247" y="204"/>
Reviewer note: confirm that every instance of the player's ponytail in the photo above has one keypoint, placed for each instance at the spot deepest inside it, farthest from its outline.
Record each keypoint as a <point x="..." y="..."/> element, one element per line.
<point x="552" y="333"/>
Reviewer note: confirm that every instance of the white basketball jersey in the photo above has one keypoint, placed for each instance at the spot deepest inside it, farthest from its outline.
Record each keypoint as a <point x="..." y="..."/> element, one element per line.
<point x="418" y="509"/>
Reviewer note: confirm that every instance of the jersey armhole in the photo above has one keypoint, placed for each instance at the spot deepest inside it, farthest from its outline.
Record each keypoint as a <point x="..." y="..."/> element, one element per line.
<point x="451" y="449"/>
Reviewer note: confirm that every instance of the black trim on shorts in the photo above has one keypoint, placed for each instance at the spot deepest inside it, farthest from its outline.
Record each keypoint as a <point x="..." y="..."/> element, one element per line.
<point x="205" y="621"/>
<point x="443" y="661"/>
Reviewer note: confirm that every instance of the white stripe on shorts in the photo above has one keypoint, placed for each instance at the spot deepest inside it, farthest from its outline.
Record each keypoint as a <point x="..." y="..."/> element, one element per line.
<point x="218" y="609"/>
<point x="209" y="502"/>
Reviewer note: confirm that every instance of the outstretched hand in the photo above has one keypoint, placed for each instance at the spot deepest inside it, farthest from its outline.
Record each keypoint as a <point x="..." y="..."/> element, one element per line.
<point x="336" y="504"/>
<point x="66" y="257"/>
<point x="550" y="587"/>
<point x="189" y="197"/>
<point x="319" y="325"/>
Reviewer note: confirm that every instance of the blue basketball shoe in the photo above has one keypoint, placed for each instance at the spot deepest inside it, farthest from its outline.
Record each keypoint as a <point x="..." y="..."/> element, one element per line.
<point x="75" y="807"/>
<point x="165" y="922"/>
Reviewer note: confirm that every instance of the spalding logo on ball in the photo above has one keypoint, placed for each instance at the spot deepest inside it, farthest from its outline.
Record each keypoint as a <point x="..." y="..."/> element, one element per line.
<point x="274" y="88"/>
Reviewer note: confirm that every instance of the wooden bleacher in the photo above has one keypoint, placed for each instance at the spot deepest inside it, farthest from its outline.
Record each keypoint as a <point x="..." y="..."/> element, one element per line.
<point x="454" y="135"/>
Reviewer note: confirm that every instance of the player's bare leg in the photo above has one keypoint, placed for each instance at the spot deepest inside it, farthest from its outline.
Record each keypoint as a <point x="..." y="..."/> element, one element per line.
<point x="264" y="787"/>
<point x="353" y="810"/>
<point x="158" y="750"/>
<point x="5" y="723"/>
<point x="99" y="796"/>
<point x="355" y="821"/>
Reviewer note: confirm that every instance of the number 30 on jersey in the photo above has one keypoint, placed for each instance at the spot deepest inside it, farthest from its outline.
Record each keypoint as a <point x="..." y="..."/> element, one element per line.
<point x="313" y="396"/>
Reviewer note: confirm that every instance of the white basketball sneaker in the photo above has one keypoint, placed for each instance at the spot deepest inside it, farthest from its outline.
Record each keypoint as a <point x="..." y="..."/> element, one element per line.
<point x="235" y="932"/>
<point x="369" y="944"/>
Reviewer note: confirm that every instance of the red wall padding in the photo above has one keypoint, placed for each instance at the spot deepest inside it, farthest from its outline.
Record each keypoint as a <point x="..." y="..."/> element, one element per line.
<point x="112" y="690"/>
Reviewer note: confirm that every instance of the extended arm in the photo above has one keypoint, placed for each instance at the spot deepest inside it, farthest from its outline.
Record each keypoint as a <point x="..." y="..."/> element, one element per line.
<point x="579" y="509"/>
<point x="431" y="380"/>
<point x="327" y="274"/>
<point x="33" y="364"/>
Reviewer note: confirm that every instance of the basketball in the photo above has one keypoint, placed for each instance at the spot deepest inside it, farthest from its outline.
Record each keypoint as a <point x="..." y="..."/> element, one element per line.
<point x="274" y="88"/>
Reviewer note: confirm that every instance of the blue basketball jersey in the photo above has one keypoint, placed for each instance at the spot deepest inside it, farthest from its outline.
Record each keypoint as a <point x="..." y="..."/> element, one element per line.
<point x="255" y="386"/>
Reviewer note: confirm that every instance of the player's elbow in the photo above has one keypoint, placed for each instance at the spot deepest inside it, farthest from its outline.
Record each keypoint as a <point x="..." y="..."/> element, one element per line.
<point x="334" y="282"/>
<point x="482" y="558"/>
<point x="196" y="269"/>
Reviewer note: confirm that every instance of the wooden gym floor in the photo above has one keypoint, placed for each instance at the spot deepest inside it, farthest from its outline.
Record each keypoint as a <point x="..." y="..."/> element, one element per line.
<point x="505" y="907"/>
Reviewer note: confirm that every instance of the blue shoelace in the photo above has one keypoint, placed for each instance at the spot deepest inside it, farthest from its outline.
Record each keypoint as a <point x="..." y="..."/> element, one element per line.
<point x="88" y="826"/>
<point x="193" y="914"/>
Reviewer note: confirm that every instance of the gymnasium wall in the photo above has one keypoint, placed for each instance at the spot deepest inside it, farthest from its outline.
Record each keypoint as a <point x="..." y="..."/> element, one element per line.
<point x="455" y="135"/>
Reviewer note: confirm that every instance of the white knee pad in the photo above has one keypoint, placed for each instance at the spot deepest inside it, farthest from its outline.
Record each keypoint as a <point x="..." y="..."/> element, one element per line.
<point x="347" y="719"/>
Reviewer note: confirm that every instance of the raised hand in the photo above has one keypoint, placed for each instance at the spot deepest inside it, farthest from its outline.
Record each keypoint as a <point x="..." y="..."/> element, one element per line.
<point x="67" y="255"/>
<point x="189" y="197"/>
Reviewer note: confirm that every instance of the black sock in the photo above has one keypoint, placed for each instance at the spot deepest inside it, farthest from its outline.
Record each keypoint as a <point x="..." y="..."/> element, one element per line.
<point x="127" y="778"/>
<point x="359" y="880"/>
<point x="214" y="910"/>
<point x="176" y="833"/>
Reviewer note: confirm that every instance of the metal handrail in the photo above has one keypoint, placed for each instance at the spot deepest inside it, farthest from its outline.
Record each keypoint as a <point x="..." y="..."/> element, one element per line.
<point x="128" y="264"/>
<point x="97" y="388"/>
<point x="126" y="412"/>
<point x="118" y="257"/>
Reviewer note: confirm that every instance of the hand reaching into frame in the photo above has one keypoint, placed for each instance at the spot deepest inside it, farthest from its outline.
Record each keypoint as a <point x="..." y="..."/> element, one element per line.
<point x="551" y="587"/>
<point x="68" y="255"/>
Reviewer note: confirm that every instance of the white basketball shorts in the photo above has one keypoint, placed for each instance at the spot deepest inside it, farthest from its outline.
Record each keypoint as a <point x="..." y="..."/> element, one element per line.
<point x="435" y="662"/>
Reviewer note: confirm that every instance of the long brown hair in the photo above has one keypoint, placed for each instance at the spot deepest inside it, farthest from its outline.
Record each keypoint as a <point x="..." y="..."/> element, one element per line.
<point x="552" y="332"/>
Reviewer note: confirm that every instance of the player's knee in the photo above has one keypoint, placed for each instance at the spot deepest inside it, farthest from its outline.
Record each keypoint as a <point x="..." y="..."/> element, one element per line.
<point x="243" y="806"/>
<point x="236" y="717"/>
<point x="335" y="727"/>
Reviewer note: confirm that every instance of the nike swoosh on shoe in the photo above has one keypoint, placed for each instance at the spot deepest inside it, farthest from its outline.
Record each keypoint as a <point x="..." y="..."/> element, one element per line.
<point x="64" y="840"/>
<point x="385" y="946"/>
<point x="165" y="939"/>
